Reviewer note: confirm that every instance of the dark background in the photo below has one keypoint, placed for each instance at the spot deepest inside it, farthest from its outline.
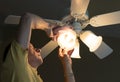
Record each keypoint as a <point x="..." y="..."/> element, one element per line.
<point x="87" y="69"/>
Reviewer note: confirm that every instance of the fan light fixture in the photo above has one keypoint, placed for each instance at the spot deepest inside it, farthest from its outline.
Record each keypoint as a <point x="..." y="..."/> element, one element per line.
<point x="79" y="18"/>
<point x="76" y="52"/>
<point x="67" y="40"/>
<point x="95" y="44"/>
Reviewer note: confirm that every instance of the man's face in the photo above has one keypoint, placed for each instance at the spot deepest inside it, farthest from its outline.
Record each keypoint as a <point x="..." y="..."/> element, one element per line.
<point x="34" y="56"/>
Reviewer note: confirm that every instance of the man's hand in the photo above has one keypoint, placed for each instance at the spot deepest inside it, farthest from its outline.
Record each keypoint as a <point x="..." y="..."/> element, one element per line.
<point x="65" y="56"/>
<point x="67" y="65"/>
<point x="56" y="30"/>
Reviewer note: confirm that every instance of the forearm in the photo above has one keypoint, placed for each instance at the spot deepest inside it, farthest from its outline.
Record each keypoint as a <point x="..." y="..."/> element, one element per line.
<point x="26" y="27"/>
<point x="27" y="23"/>
<point x="38" y="22"/>
<point x="68" y="72"/>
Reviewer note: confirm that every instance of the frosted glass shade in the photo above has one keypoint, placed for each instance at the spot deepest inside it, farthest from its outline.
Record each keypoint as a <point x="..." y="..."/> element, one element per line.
<point x="76" y="52"/>
<point x="91" y="40"/>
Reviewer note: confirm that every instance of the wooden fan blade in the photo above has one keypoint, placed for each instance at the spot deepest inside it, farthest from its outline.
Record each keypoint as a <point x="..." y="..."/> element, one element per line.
<point x="79" y="7"/>
<point x="103" y="51"/>
<point x="105" y="19"/>
<point x="12" y="19"/>
<point x="48" y="48"/>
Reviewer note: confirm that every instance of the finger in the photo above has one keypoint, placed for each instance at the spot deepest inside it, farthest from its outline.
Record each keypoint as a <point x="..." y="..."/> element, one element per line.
<point x="64" y="51"/>
<point x="60" y="52"/>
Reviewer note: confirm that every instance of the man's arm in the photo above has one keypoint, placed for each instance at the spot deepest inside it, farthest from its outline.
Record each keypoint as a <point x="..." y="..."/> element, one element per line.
<point x="27" y="23"/>
<point x="68" y="72"/>
<point x="67" y="66"/>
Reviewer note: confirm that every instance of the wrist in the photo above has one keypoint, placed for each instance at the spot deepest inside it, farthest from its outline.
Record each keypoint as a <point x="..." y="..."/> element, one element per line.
<point x="49" y="31"/>
<point x="69" y="75"/>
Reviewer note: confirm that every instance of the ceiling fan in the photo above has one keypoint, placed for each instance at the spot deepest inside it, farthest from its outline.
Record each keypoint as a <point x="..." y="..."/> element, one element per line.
<point x="79" y="19"/>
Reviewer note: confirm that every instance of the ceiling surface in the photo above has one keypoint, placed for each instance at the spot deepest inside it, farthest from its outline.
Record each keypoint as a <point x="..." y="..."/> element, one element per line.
<point x="87" y="69"/>
<point x="57" y="9"/>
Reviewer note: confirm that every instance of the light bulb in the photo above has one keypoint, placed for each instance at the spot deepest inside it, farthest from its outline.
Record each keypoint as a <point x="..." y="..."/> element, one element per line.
<point x="66" y="39"/>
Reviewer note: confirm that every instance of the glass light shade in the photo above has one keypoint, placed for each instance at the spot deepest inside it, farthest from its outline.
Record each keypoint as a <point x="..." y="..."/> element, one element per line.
<point x="91" y="40"/>
<point x="66" y="39"/>
<point x="75" y="53"/>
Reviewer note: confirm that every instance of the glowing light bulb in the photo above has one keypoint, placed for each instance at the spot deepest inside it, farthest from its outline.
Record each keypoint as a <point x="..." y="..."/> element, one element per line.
<point x="67" y="39"/>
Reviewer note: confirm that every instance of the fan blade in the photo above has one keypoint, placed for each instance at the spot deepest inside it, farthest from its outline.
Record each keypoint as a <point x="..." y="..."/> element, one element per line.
<point x="12" y="19"/>
<point x="54" y="22"/>
<point x="48" y="48"/>
<point x="75" y="53"/>
<point x="103" y="51"/>
<point x="79" y="7"/>
<point x="105" y="19"/>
